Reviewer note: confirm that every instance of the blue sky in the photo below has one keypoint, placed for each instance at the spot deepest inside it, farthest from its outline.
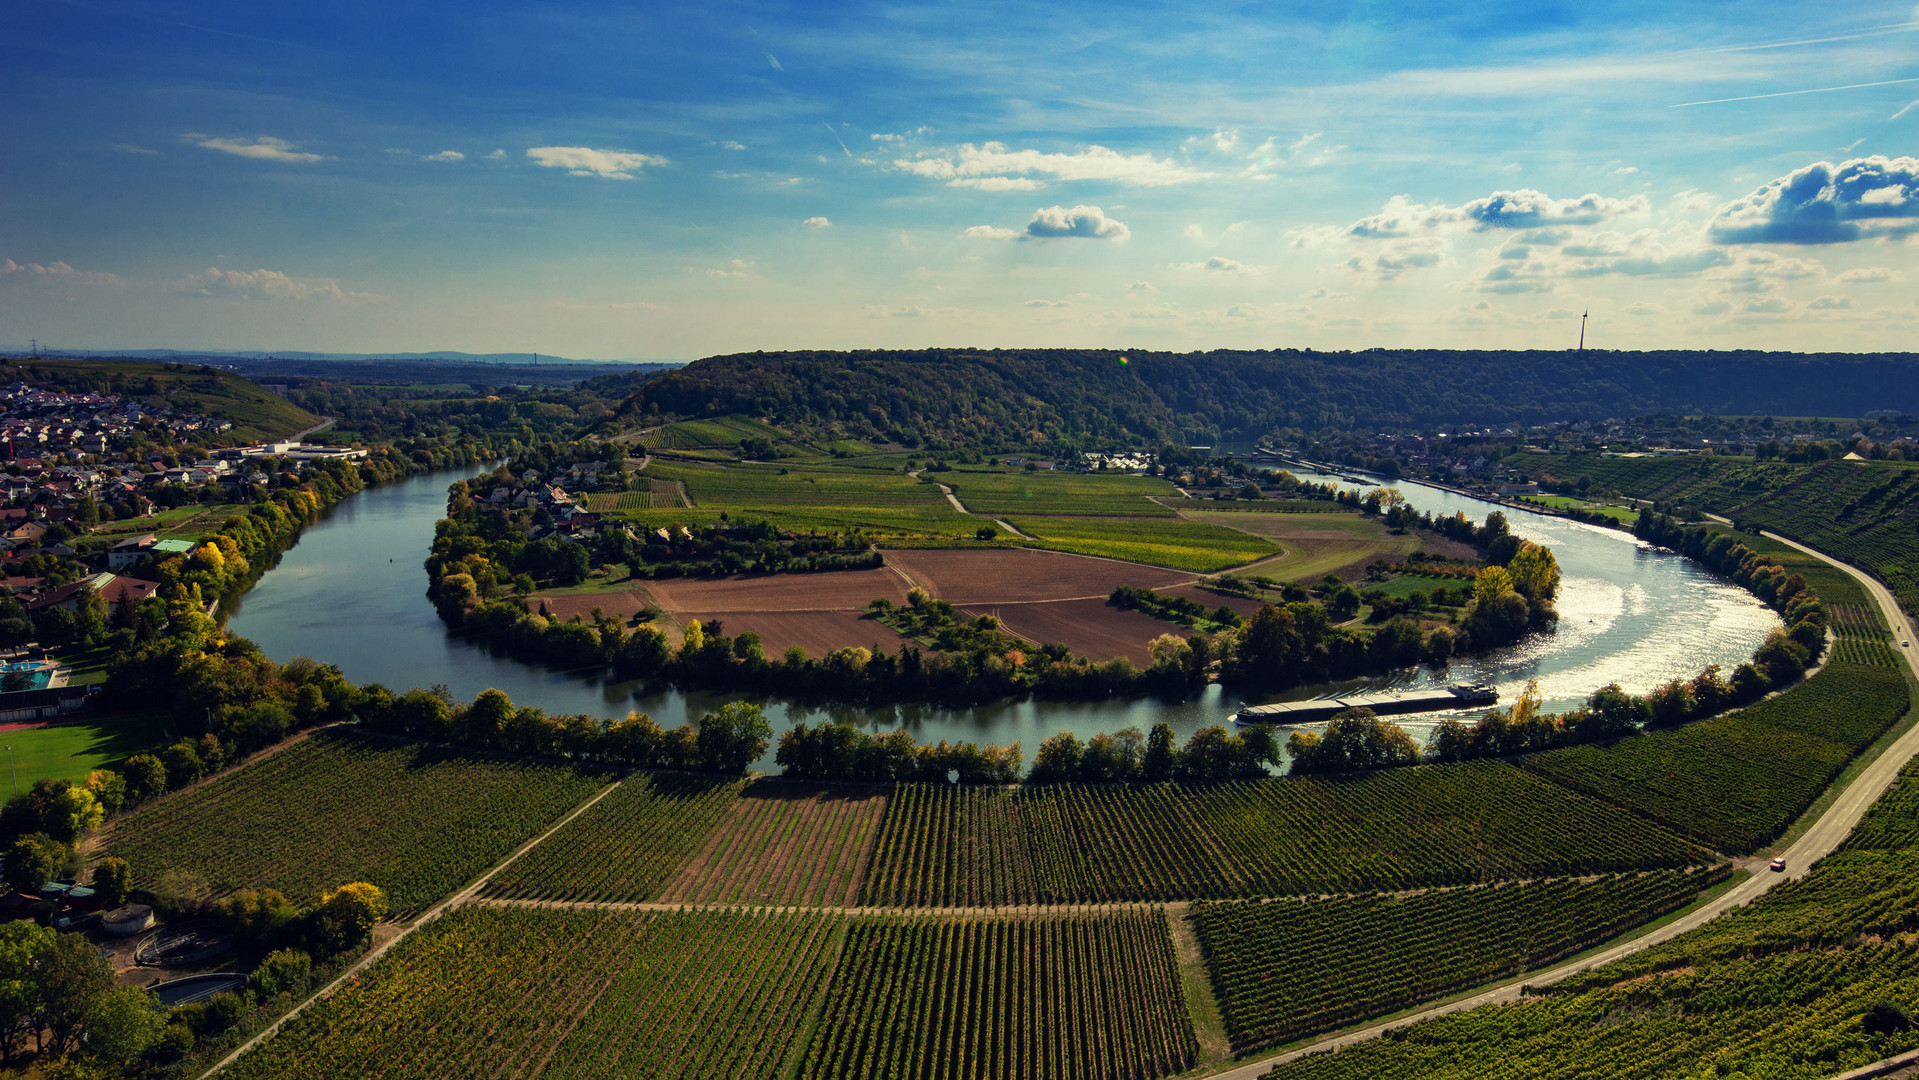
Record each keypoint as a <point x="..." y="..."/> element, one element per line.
<point x="673" y="181"/>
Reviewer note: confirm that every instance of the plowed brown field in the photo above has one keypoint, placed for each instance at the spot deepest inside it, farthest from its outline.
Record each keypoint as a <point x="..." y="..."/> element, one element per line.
<point x="837" y="590"/>
<point x="1091" y="628"/>
<point x="1241" y="605"/>
<point x="818" y="632"/>
<point x="1010" y="575"/>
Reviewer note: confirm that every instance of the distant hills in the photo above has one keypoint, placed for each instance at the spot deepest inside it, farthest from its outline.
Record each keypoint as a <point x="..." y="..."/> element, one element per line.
<point x="204" y="355"/>
<point x="1077" y="396"/>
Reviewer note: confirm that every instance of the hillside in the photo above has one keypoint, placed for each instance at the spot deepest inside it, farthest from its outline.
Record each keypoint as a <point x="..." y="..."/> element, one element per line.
<point x="257" y="414"/>
<point x="950" y="397"/>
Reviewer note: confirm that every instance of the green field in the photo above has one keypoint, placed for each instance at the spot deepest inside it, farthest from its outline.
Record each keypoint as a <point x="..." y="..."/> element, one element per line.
<point x="1174" y="541"/>
<point x="1564" y="502"/>
<point x="1736" y="781"/>
<point x="801" y="497"/>
<point x="1285" y="969"/>
<point x="997" y="493"/>
<point x="1393" y="829"/>
<point x="414" y="820"/>
<point x="1778" y="988"/>
<point x="72" y="750"/>
<point x="1310" y="546"/>
<point x="570" y="995"/>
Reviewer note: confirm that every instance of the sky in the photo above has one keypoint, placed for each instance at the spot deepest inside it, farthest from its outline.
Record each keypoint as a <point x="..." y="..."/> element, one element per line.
<point x="657" y="180"/>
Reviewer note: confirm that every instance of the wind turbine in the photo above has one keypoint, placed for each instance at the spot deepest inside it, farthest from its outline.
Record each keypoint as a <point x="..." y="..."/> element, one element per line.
<point x="1582" y="328"/>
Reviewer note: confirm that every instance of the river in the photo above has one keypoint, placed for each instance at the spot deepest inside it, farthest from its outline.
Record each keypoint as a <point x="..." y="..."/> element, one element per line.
<point x="352" y="592"/>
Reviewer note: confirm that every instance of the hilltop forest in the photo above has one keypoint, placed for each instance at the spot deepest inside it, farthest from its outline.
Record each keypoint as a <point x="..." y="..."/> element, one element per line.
<point x="1077" y="398"/>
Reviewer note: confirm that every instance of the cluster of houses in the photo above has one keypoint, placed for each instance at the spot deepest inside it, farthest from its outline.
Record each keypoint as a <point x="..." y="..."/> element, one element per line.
<point x="571" y="519"/>
<point x="35" y="421"/>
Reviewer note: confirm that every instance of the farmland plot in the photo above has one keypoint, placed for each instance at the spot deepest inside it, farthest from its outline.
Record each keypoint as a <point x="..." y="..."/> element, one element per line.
<point x="785" y="843"/>
<point x="626" y="846"/>
<point x="1062" y="997"/>
<point x="417" y="821"/>
<point x="568" y="995"/>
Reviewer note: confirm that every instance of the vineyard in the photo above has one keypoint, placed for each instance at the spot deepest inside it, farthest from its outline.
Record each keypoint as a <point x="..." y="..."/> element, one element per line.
<point x="1862" y="637"/>
<point x="568" y="995"/>
<point x="1736" y="781"/>
<point x="1060" y="997"/>
<point x="624" y="847"/>
<point x="1285" y="969"/>
<point x="417" y="821"/>
<point x="784" y="843"/>
<point x="1394" y="829"/>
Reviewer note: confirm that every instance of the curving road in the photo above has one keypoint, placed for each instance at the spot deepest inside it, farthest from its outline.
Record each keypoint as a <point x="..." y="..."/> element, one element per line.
<point x="1825" y="834"/>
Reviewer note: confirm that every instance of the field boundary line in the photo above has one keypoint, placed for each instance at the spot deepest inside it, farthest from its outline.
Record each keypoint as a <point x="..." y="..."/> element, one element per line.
<point x="428" y="916"/>
<point x="1819" y="839"/>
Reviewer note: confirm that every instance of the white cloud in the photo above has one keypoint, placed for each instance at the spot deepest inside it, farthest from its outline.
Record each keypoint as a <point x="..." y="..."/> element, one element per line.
<point x="1870" y="275"/>
<point x="989" y="232"/>
<point x="586" y="161"/>
<point x="1770" y="305"/>
<point x="1047" y="303"/>
<point x="1711" y="307"/>
<point x="1831" y="303"/>
<point x="57" y="271"/>
<point x="817" y="223"/>
<point x="729" y="144"/>
<point x="1092" y="163"/>
<point x="1328" y="294"/>
<point x="1080" y="222"/>
<point x="129" y="148"/>
<point x="1194" y="232"/>
<point x="733" y="268"/>
<point x="1217" y="264"/>
<point x="264" y="148"/>
<point x="497" y="155"/>
<point x="1825" y="203"/>
<point x="1391" y="261"/>
<point x="996" y="183"/>
<point x="1523" y="208"/>
<point x="1643" y="308"/>
<point x="1142" y="287"/>
<point x="445" y="155"/>
<point x="267" y="285"/>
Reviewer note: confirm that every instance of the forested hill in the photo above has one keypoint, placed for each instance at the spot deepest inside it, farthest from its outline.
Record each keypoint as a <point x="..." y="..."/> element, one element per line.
<point x="1076" y="396"/>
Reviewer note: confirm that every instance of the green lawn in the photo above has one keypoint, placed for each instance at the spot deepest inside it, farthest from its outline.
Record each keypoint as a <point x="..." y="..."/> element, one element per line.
<point x="1566" y="502"/>
<point x="75" y="749"/>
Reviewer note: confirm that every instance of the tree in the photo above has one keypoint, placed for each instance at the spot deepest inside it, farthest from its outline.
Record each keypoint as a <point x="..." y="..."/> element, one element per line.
<point x="112" y="879"/>
<point x="183" y="763"/>
<point x="1161" y="756"/>
<point x="281" y="971"/>
<point x="1535" y="573"/>
<point x="21" y="944"/>
<point x="347" y="915"/>
<point x="74" y="812"/>
<point x="109" y="788"/>
<point x="1058" y="760"/>
<point x="733" y="737"/>
<point x="259" y="915"/>
<point x="986" y="532"/>
<point x="70" y="975"/>
<point x="32" y="861"/>
<point x="146" y="777"/>
<point x="121" y="1023"/>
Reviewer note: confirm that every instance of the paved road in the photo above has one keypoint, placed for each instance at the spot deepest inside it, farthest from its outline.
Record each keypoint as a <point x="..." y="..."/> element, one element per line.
<point x="325" y="422"/>
<point x="957" y="505"/>
<point x="1818" y="841"/>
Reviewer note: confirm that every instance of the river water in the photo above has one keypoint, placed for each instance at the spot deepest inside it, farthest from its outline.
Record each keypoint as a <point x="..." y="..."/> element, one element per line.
<point x="352" y="592"/>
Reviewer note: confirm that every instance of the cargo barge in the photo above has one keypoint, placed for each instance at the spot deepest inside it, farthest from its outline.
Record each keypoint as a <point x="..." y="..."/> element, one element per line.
<point x="1384" y="703"/>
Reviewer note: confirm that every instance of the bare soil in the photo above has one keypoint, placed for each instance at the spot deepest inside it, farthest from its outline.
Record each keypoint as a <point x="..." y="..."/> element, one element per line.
<point x="835" y="590"/>
<point x="818" y="632"/>
<point x="1091" y="628"/>
<point x="1015" y="575"/>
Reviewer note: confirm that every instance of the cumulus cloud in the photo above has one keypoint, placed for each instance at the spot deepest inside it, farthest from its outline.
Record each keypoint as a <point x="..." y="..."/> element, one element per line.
<point x="1523" y="208"/>
<point x="729" y="144"/>
<point x="1870" y="275"/>
<point x="57" y="271"/>
<point x="586" y="161"/>
<point x="1711" y="307"/>
<point x="1142" y="287"/>
<point x="1823" y="203"/>
<point x="1079" y="222"/>
<point x="266" y="285"/>
<point x="444" y="155"/>
<point x="993" y="159"/>
<point x="733" y="268"/>
<point x="1047" y="303"/>
<point x="1391" y="261"/>
<point x="996" y="183"/>
<point x="989" y="232"/>
<point x="1217" y="264"/>
<point x="264" y="148"/>
<point x="817" y="223"/>
<point x="1831" y="303"/>
<point x="1194" y="232"/>
<point x="1770" y="305"/>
